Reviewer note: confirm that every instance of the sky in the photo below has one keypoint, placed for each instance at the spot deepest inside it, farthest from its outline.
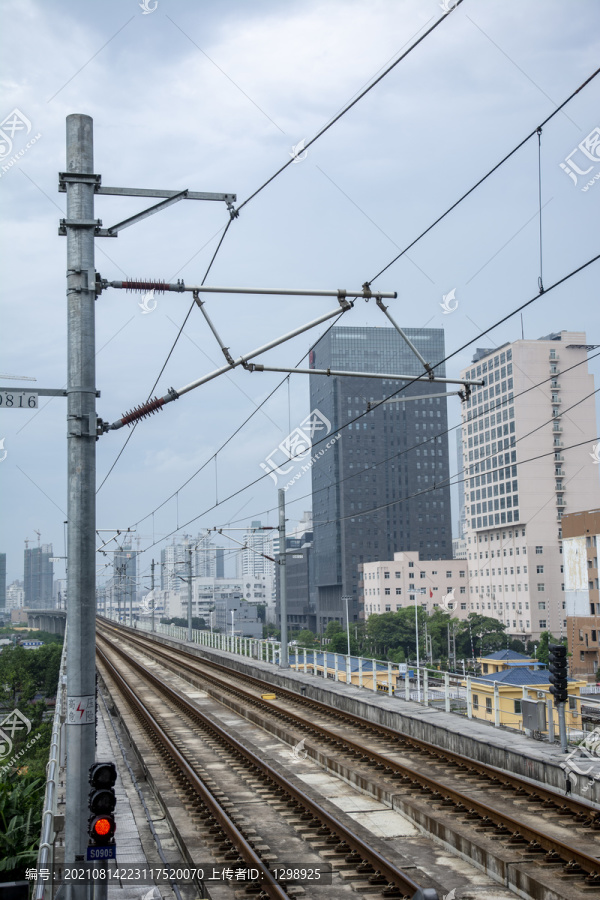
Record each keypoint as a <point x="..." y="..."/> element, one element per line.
<point x="215" y="97"/>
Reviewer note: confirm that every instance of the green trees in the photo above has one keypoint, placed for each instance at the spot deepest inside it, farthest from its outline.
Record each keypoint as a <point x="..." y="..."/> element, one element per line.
<point x="392" y="635"/>
<point x="306" y="639"/>
<point x="20" y="824"/>
<point x="23" y="675"/>
<point x="197" y="622"/>
<point x="542" y="647"/>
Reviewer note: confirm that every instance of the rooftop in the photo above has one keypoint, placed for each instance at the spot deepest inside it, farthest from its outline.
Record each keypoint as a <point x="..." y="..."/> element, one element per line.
<point x="518" y="676"/>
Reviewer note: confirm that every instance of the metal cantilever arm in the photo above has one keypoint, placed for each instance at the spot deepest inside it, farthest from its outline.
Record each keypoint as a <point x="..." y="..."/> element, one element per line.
<point x="154" y="405"/>
<point x="423" y="362"/>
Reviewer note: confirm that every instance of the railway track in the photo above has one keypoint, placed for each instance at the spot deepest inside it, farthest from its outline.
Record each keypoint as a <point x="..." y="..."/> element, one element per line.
<point x="152" y="701"/>
<point x="568" y="840"/>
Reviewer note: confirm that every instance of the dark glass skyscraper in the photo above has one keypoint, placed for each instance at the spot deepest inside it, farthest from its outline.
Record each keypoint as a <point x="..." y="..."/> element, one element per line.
<point x="364" y="485"/>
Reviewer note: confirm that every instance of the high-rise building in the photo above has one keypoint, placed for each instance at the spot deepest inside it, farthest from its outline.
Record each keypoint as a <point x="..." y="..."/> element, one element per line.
<point x="257" y="546"/>
<point x="124" y="579"/>
<point x="39" y="575"/>
<point x="174" y="560"/>
<point x="374" y="488"/>
<point x="526" y="462"/>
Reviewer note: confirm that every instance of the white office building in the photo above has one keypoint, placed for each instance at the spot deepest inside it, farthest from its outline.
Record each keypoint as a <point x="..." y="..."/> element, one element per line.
<point x="526" y="441"/>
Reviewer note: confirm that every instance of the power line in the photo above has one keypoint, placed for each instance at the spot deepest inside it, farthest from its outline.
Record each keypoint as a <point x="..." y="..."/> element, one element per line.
<point x="231" y="436"/>
<point x="436" y="437"/>
<point x="350" y="105"/>
<point x="400" y="390"/>
<point x="189" y="312"/>
<point x="235" y="213"/>
<point x="485" y="177"/>
<point x="537" y="131"/>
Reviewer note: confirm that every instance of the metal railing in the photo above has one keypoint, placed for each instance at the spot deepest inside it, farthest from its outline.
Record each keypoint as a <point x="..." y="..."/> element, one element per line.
<point x="452" y="692"/>
<point x="43" y="888"/>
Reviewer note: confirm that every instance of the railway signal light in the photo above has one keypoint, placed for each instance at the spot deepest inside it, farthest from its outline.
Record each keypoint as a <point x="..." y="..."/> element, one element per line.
<point x="558" y="672"/>
<point x="101" y="803"/>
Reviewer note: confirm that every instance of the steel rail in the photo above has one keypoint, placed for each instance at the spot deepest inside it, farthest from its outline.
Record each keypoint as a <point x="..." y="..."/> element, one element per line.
<point x="381" y="865"/>
<point x="590" y="865"/>
<point x="250" y="857"/>
<point x="578" y="807"/>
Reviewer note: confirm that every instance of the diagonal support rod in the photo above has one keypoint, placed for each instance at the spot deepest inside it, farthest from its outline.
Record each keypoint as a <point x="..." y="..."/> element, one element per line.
<point x="132" y="220"/>
<point x="384" y="310"/>
<point x="156" y="404"/>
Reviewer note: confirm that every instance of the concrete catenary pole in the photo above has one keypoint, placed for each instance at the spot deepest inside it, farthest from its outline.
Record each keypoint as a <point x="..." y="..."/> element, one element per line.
<point x="189" y="595"/>
<point x="81" y="449"/>
<point x="283" y="656"/>
<point x="152" y="592"/>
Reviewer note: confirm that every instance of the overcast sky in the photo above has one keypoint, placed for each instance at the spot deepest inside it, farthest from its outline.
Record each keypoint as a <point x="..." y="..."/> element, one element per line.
<point x="213" y="97"/>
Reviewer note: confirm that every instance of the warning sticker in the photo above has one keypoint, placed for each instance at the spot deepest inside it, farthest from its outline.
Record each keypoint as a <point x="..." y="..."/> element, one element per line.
<point x="81" y="710"/>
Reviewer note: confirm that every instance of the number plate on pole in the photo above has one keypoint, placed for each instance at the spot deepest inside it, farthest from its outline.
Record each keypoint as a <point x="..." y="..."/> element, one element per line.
<point x="18" y="400"/>
<point x="109" y="852"/>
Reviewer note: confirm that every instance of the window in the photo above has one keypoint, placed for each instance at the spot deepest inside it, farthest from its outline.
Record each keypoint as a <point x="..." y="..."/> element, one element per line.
<point x="542" y="604"/>
<point x="542" y="623"/>
<point x="386" y="574"/>
<point x="475" y="701"/>
<point x="488" y="704"/>
<point x="398" y="590"/>
<point x="541" y="586"/>
<point x="448" y="574"/>
<point x="539" y="550"/>
<point x="517" y="707"/>
<point x="539" y="570"/>
<point x="411" y="574"/>
<point x="421" y="574"/>
<point x="397" y="574"/>
<point x="387" y="609"/>
<point x="573" y="704"/>
<point x="411" y="565"/>
<point x="387" y="591"/>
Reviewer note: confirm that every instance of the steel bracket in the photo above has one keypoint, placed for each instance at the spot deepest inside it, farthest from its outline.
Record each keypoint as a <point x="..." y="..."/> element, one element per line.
<point x="65" y="178"/>
<point x="82" y="426"/>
